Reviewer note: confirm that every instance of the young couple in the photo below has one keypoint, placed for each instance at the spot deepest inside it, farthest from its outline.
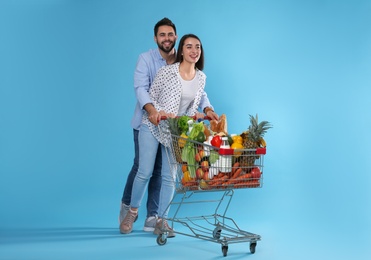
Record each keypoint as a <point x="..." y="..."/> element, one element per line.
<point x="167" y="83"/>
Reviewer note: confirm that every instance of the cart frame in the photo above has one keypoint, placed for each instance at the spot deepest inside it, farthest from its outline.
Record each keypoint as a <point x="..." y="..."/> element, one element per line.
<point x="215" y="227"/>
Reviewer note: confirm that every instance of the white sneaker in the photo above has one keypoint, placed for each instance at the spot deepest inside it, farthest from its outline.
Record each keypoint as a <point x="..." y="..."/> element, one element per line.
<point x="150" y="223"/>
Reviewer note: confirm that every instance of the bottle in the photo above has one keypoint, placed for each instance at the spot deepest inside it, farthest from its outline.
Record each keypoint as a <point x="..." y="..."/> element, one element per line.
<point x="190" y="126"/>
<point x="225" y="156"/>
<point x="225" y="143"/>
<point x="206" y="146"/>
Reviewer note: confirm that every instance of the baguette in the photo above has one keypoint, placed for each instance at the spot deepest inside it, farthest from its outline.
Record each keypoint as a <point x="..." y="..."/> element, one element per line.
<point x="220" y="125"/>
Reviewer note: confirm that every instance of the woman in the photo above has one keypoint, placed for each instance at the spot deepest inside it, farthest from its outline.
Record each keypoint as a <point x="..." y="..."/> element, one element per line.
<point x="176" y="90"/>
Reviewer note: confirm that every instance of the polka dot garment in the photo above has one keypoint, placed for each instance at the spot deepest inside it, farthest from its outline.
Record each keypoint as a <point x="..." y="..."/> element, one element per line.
<point x="165" y="93"/>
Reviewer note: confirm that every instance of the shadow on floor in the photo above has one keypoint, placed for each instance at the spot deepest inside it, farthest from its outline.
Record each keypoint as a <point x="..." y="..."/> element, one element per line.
<point x="40" y="235"/>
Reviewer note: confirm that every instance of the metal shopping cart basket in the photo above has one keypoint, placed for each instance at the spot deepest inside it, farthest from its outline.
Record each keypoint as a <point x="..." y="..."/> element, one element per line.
<point x="211" y="181"/>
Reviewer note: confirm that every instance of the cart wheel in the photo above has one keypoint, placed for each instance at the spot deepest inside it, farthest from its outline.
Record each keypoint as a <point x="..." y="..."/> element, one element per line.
<point x="160" y="240"/>
<point x="252" y="247"/>
<point x="224" y="250"/>
<point x="217" y="232"/>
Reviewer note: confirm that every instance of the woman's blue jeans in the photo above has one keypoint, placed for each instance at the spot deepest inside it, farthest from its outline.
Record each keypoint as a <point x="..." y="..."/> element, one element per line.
<point x="154" y="185"/>
<point x="147" y="153"/>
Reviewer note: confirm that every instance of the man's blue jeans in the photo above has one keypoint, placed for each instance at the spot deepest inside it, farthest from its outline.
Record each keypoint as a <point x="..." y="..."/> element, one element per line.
<point x="154" y="185"/>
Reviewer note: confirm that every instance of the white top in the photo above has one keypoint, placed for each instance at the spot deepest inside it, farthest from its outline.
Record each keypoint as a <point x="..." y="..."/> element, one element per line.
<point x="189" y="91"/>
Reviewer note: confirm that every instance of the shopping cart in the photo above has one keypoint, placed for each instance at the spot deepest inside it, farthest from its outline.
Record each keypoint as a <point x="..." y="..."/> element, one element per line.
<point x="212" y="184"/>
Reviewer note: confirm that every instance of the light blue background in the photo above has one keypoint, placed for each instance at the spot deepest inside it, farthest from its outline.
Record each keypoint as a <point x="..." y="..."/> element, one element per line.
<point x="66" y="100"/>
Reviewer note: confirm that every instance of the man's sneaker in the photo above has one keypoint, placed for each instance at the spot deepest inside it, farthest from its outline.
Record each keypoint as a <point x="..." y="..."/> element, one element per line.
<point x="162" y="226"/>
<point x="126" y="225"/>
<point x="123" y="211"/>
<point x="150" y="224"/>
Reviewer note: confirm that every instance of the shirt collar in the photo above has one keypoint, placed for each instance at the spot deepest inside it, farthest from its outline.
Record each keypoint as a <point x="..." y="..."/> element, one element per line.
<point x="158" y="54"/>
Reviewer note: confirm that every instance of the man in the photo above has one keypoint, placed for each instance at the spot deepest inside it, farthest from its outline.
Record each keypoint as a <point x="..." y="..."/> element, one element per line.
<point x="147" y="66"/>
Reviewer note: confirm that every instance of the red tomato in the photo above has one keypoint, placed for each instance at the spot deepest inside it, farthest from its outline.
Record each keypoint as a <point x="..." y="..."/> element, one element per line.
<point x="255" y="173"/>
<point x="216" y="141"/>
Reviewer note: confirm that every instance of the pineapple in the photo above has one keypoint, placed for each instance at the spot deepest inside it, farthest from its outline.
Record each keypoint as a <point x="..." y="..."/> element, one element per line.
<point x="253" y="138"/>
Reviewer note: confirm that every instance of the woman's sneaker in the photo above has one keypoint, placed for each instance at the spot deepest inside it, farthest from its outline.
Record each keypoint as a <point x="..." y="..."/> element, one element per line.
<point x="150" y="224"/>
<point x="162" y="226"/>
<point x="126" y="225"/>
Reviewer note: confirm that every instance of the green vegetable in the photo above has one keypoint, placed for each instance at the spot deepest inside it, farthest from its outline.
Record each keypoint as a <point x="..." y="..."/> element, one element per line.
<point x="183" y="123"/>
<point x="196" y="129"/>
<point x="200" y="137"/>
<point x="214" y="156"/>
<point x="173" y="126"/>
<point x="230" y="140"/>
<point x="188" y="155"/>
<point x="189" y="150"/>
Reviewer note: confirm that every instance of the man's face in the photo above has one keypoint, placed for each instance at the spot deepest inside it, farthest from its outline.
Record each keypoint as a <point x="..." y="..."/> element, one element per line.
<point x="166" y="38"/>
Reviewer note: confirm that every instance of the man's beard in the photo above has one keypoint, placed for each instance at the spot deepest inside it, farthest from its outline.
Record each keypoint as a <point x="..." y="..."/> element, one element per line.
<point x="167" y="50"/>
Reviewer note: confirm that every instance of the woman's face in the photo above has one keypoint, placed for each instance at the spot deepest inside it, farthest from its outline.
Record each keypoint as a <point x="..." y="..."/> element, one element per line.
<point x="191" y="50"/>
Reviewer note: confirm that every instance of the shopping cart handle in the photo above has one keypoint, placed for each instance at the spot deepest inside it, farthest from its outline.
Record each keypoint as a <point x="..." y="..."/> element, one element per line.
<point x="163" y="118"/>
<point x="194" y="117"/>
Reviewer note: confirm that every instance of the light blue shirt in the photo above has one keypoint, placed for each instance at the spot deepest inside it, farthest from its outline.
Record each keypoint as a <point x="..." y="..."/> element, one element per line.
<point x="147" y="66"/>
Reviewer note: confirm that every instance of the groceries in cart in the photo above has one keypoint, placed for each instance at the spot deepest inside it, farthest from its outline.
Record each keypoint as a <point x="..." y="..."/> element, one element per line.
<point x="210" y="158"/>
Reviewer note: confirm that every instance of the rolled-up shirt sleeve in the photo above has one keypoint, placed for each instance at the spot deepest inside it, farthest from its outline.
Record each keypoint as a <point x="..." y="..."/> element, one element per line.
<point x="205" y="102"/>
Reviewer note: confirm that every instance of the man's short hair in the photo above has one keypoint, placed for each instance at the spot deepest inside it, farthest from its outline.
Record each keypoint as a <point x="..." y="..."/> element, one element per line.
<point x="164" y="21"/>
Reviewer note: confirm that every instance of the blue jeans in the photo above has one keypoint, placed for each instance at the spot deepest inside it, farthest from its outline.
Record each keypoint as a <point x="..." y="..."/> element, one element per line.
<point x="154" y="186"/>
<point x="147" y="154"/>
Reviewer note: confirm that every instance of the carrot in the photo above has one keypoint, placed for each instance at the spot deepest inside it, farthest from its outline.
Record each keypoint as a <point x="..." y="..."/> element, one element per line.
<point x="239" y="185"/>
<point x="213" y="181"/>
<point x="219" y="181"/>
<point x="234" y="178"/>
<point x="220" y="175"/>
<point x="243" y="177"/>
<point x="254" y="184"/>
<point x="230" y="182"/>
<point x="247" y="184"/>
<point x="236" y="173"/>
<point x="235" y="167"/>
<point x="216" y="178"/>
<point x="222" y="179"/>
<point x="190" y="183"/>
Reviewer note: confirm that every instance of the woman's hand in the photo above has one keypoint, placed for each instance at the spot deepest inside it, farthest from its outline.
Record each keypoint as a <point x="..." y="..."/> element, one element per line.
<point x="154" y="117"/>
<point x="164" y="114"/>
<point x="199" y="116"/>
<point x="212" y="115"/>
<point x="170" y="115"/>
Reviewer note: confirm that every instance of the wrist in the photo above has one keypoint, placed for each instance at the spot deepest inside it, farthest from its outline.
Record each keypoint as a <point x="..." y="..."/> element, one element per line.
<point x="149" y="108"/>
<point x="208" y="109"/>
